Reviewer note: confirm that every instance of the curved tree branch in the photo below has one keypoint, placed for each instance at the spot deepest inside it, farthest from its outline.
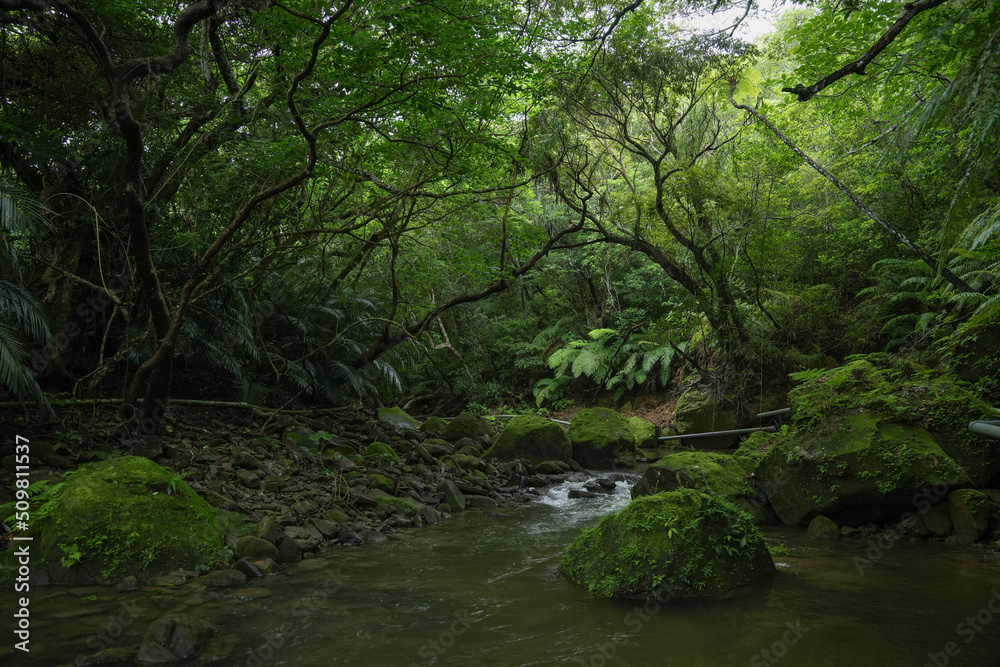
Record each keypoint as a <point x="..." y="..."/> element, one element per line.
<point x="910" y="9"/>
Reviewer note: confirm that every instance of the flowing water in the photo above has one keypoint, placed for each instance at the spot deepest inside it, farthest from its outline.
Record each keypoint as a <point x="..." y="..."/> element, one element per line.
<point x="483" y="589"/>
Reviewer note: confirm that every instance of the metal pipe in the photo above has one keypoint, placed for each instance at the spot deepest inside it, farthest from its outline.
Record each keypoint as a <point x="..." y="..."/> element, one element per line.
<point x="991" y="429"/>
<point x="773" y="413"/>
<point x="739" y="431"/>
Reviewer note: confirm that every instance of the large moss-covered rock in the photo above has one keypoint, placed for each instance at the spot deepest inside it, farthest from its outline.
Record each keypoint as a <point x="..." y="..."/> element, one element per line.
<point x="644" y="432"/>
<point x="867" y="438"/>
<point x="726" y="475"/>
<point x="854" y="469"/>
<point x="698" y="411"/>
<point x="397" y="418"/>
<point x="602" y="438"/>
<point x="902" y="393"/>
<point x="125" y="516"/>
<point x="533" y="438"/>
<point x="970" y="514"/>
<point x="467" y="425"/>
<point x="676" y="544"/>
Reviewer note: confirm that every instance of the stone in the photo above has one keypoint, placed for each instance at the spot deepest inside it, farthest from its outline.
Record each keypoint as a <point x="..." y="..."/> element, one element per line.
<point x="698" y="411"/>
<point x="380" y="452"/>
<point x="822" y="527"/>
<point x="601" y="439"/>
<point x="938" y="520"/>
<point x="467" y="425"/>
<point x="337" y="516"/>
<point x="855" y="469"/>
<point x="581" y="493"/>
<point x="247" y="567"/>
<point x="153" y="523"/>
<point x="644" y="432"/>
<point x="533" y="438"/>
<point x="269" y="530"/>
<point x="248" y="478"/>
<point x="252" y="547"/>
<point x="327" y="528"/>
<point x="728" y="475"/>
<point x="174" y="637"/>
<point x="289" y="551"/>
<point x="245" y="460"/>
<point x="675" y="544"/>
<point x="349" y="538"/>
<point x="433" y="425"/>
<point x="453" y="497"/>
<point x="970" y="514"/>
<point x="552" y="467"/>
<point x="382" y="482"/>
<point x="224" y="578"/>
<point x="397" y="418"/>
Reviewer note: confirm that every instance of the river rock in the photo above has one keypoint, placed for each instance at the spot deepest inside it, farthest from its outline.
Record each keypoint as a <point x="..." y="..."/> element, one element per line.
<point x="289" y="551"/>
<point x="601" y="439"/>
<point x="453" y="497"/>
<point x="938" y="520"/>
<point x="248" y="478"/>
<point x="254" y="547"/>
<point x="467" y="425"/>
<point x="173" y="637"/>
<point x="151" y="520"/>
<point x="245" y="460"/>
<point x="823" y="528"/>
<point x="224" y="578"/>
<point x="676" y="544"/>
<point x="699" y="411"/>
<point x="268" y="530"/>
<point x="349" y="538"/>
<point x="533" y="438"/>
<point x="970" y="514"/>
<point x="433" y="425"/>
<point x="552" y="467"/>
<point x="397" y="418"/>
<point x="644" y="432"/>
<point x="336" y="515"/>
<point x="728" y="475"/>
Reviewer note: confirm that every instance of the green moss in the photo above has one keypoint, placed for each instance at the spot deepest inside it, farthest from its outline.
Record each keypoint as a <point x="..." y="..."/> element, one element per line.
<point x="433" y="425"/>
<point x="127" y="516"/>
<point x="674" y="544"/>
<point x="602" y="438"/>
<point x="643" y="432"/>
<point x="533" y="438"/>
<point x="467" y="425"/>
<point x="382" y="482"/>
<point x="725" y="475"/>
<point x="379" y="452"/>
<point x="399" y="505"/>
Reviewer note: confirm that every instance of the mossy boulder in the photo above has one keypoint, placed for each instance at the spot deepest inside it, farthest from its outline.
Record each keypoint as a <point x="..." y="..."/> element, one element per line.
<point x="822" y="527"/>
<point x="602" y="438"/>
<point x="906" y="394"/>
<point x="380" y="452"/>
<point x="726" y="475"/>
<point x="533" y="438"/>
<point x="397" y="418"/>
<point x="382" y="482"/>
<point x="676" y="544"/>
<point x="644" y="432"/>
<point x="467" y="425"/>
<point x="868" y="437"/>
<point x="854" y="469"/>
<point x="433" y="425"/>
<point x="970" y="512"/>
<point x="125" y="517"/>
<point x="698" y="411"/>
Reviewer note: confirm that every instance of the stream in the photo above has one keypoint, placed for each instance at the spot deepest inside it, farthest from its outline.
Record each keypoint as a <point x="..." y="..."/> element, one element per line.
<point x="482" y="589"/>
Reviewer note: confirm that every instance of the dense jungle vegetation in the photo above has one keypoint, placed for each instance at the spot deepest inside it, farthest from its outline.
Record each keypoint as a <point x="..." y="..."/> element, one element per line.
<point x="504" y="205"/>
